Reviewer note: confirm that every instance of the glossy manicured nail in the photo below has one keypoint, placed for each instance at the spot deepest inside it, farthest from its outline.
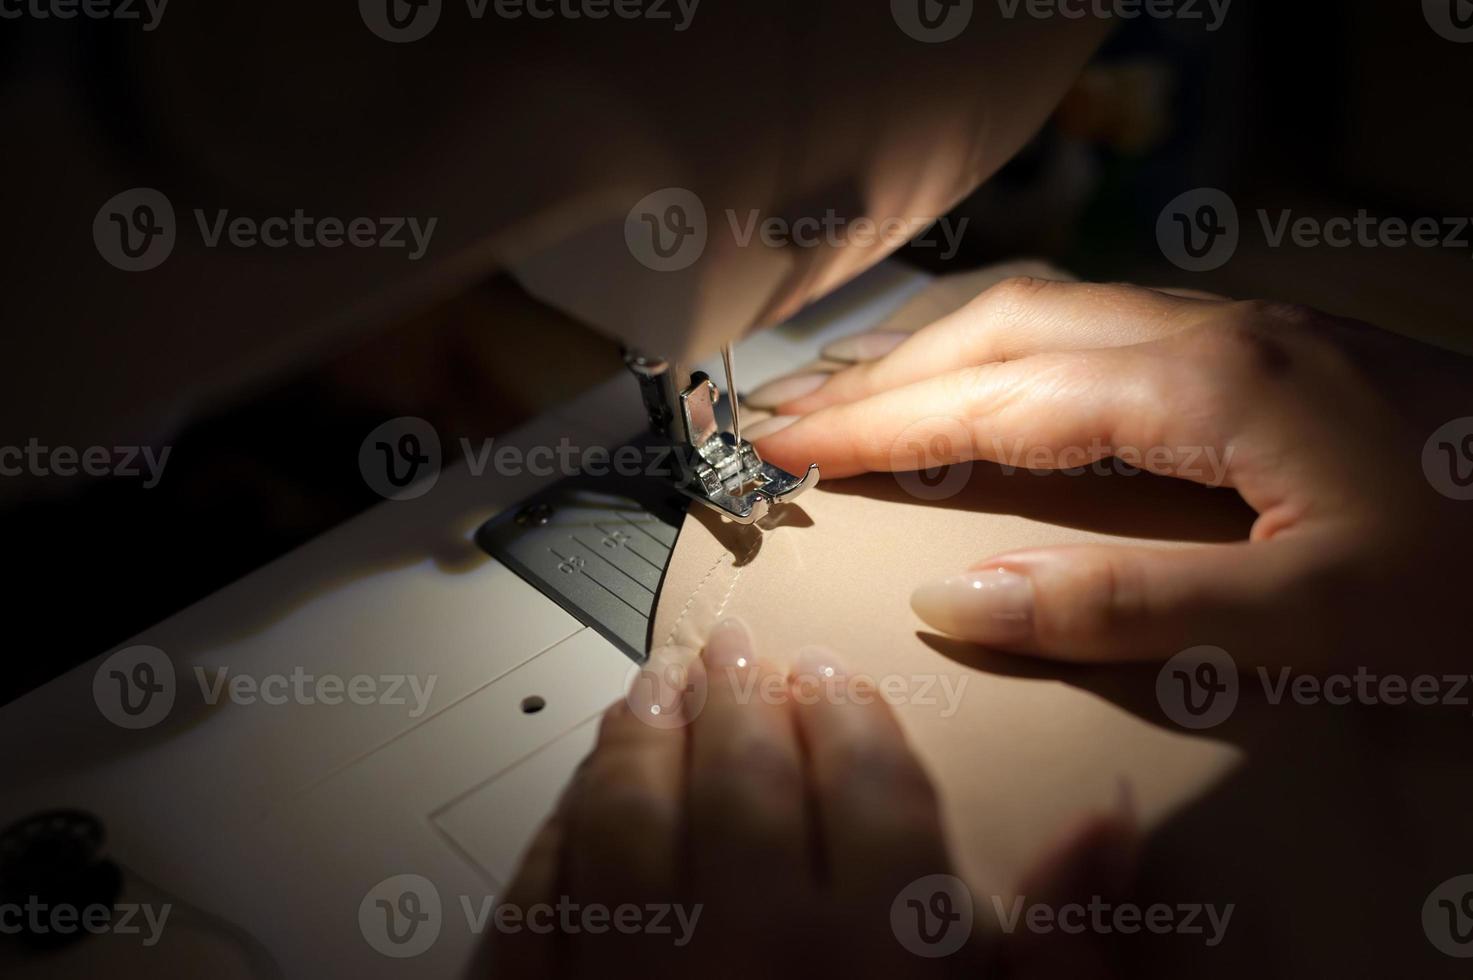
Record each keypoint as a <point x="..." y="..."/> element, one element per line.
<point x="817" y="675"/>
<point x="668" y="690"/>
<point x="817" y="664"/>
<point x="988" y="607"/>
<point x="729" y="645"/>
<point x="767" y="427"/>
<point x="865" y="346"/>
<point x="783" y="390"/>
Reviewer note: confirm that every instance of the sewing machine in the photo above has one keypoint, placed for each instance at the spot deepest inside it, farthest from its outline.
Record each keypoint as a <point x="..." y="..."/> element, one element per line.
<point x="329" y="767"/>
<point x="265" y="826"/>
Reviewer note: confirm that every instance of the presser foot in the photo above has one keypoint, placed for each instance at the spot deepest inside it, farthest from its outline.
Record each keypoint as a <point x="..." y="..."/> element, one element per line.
<point x="720" y="469"/>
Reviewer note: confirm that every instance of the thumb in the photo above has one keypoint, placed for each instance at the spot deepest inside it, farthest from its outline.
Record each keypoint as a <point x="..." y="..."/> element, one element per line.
<point x="1259" y="600"/>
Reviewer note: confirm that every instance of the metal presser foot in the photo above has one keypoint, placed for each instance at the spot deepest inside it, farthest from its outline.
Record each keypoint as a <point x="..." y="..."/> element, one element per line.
<point x="716" y="466"/>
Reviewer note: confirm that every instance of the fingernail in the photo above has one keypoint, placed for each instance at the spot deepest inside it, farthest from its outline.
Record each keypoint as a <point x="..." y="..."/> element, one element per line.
<point x="869" y="346"/>
<point x="991" y="607"/>
<point x="818" y="664"/>
<point x="767" y="427"/>
<point x="729" y="645"/>
<point x="776" y="393"/>
<point x="659" y="688"/>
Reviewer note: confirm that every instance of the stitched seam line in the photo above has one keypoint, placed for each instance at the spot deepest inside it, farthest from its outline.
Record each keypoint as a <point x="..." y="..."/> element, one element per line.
<point x="731" y="589"/>
<point x="675" y="628"/>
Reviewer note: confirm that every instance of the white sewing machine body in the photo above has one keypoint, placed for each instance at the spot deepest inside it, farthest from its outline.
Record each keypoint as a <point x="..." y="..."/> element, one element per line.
<point x="266" y="818"/>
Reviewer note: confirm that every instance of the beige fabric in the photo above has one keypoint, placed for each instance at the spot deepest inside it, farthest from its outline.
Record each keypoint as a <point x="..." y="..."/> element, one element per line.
<point x="1025" y="755"/>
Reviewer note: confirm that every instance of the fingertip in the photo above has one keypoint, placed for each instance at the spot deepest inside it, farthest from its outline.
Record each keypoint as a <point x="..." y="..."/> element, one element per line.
<point x="786" y="389"/>
<point x="759" y="431"/>
<point x="992" y="607"/>
<point x="868" y="346"/>
<point x="659" y="694"/>
<point x="729" y="644"/>
<point x="806" y="440"/>
<point x="817" y="665"/>
<point x="733" y="626"/>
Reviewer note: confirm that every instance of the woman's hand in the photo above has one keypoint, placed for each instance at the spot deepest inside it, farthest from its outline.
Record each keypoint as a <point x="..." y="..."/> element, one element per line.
<point x="785" y="825"/>
<point x="1321" y="424"/>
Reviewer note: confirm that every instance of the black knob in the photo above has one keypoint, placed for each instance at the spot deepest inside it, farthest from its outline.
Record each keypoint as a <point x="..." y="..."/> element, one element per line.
<point x="54" y="861"/>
